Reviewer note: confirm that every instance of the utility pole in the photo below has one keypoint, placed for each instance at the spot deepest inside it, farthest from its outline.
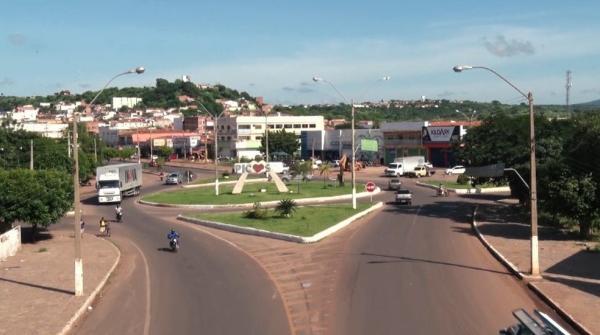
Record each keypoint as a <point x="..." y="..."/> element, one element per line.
<point x="31" y="155"/>
<point x="69" y="142"/>
<point x="95" y="153"/>
<point x="76" y="208"/>
<point x="568" y="87"/>
<point x="353" y="161"/>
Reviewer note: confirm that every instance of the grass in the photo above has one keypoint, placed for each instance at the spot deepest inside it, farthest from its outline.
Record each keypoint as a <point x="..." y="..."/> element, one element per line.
<point x="454" y="184"/>
<point x="250" y="194"/>
<point x="306" y="221"/>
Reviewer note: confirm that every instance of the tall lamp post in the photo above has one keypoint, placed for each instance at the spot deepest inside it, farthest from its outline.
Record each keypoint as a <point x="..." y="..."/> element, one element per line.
<point x="470" y="118"/>
<point x="353" y="167"/>
<point x="216" y="127"/>
<point x="76" y="200"/>
<point x="535" y="264"/>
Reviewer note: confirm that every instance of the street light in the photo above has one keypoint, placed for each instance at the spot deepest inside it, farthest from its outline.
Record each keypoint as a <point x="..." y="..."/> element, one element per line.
<point x="353" y="167"/>
<point x="470" y="118"/>
<point x="76" y="197"/>
<point x="216" y="127"/>
<point x="535" y="264"/>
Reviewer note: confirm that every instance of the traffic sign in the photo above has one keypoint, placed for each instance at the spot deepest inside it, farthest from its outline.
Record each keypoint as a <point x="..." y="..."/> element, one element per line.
<point x="370" y="186"/>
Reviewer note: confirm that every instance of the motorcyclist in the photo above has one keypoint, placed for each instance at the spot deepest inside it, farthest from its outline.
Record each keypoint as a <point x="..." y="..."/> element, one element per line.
<point x="172" y="235"/>
<point x="442" y="190"/>
<point x="119" y="212"/>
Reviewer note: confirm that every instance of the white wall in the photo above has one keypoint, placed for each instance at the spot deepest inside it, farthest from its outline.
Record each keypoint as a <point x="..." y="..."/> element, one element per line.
<point x="10" y="243"/>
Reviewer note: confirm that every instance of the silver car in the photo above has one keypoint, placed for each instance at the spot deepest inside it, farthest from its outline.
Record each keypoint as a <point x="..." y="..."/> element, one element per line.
<point x="394" y="184"/>
<point x="173" y="179"/>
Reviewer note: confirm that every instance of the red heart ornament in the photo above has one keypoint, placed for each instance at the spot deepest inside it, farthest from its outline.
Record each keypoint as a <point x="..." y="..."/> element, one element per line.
<point x="258" y="167"/>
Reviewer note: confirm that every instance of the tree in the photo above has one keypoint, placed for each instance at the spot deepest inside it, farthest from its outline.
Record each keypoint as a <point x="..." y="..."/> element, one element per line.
<point x="575" y="197"/>
<point x="281" y="141"/>
<point x="39" y="198"/>
<point x="324" y="170"/>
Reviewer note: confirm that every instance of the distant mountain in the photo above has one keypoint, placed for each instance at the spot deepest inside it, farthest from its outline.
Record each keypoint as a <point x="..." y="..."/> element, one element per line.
<point x="594" y="103"/>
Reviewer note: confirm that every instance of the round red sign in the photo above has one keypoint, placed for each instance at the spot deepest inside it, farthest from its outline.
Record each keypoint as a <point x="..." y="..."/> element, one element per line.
<point x="370" y="186"/>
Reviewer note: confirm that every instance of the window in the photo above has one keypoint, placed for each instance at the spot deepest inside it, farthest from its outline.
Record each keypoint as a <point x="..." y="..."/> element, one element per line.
<point x="271" y="126"/>
<point x="228" y="127"/>
<point x="296" y="126"/>
<point x="244" y="126"/>
<point x="229" y="138"/>
<point x="243" y="138"/>
<point x="304" y="126"/>
<point x="258" y="138"/>
<point x="279" y="126"/>
<point x="287" y="126"/>
<point x="257" y="126"/>
<point x="312" y="125"/>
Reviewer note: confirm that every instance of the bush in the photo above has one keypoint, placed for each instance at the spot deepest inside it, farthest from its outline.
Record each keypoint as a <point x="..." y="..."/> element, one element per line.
<point x="286" y="207"/>
<point x="225" y="174"/>
<point x="257" y="212"/>
<point x="462" y="179"/>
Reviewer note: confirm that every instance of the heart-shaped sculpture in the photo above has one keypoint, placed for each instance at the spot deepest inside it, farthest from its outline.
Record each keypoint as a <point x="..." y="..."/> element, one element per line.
<point x="258" y="168"/>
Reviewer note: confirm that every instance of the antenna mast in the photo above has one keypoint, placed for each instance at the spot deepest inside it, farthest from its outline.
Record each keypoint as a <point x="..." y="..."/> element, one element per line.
<point x="568" y="87"/>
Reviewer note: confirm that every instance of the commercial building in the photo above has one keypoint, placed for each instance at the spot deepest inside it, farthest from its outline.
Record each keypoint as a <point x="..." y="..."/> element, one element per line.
<point x="402" y="139"/>
<point x="118" y="102"/>
<point x="329" y="145"/>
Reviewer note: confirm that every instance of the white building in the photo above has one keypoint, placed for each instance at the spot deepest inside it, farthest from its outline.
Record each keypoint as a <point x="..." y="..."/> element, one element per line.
<point x="241" y="135"/>
<point x="52" y="130"/>
<point x="26" y="113"/>
<point x="118" y="102"/>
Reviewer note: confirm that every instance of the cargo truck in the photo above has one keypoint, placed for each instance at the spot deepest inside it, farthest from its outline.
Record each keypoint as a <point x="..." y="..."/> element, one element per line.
<point x="116" y="181"/>
<point x="401" y="166"/>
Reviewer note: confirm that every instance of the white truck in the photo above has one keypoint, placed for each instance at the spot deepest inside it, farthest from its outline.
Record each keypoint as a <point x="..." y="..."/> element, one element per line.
<point x="116" y="181"/>
<point x="402" y="165"/>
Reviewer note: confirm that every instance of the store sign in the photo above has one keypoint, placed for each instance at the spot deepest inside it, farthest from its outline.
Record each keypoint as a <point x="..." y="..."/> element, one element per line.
<point x="440" y="134"/>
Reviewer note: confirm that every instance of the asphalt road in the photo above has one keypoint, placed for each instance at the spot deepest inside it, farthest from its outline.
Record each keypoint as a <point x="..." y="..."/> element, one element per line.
<point x="208" y="287"/>
<point x="420" y="270"/>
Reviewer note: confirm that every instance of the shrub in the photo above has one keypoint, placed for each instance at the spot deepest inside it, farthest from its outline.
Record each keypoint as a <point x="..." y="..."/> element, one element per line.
<point x="257" y="212"/>
<point x="462" y="179"/>
<point x="225" y="174"/>
<point x="286" y="207"/>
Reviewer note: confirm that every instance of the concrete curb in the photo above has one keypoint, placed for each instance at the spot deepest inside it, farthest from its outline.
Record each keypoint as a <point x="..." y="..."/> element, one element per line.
<point x="282" y="236"/>
<point x="224" y="183"/>
<point x="487" y="190"/>
<point x="531" y="285"/>
<point x="93" y="295"/>
<point x="266" y="204"/>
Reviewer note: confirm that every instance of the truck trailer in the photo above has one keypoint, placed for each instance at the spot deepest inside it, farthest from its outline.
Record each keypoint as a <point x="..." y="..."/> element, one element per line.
<point x="116" y="181"/>
<point x="402" y="165"/>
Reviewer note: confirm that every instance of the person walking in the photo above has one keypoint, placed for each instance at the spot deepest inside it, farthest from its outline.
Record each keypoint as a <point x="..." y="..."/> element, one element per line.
<point x="82" y="224"/>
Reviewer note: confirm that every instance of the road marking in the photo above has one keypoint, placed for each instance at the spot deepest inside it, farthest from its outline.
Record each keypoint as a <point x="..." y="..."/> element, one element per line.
<point x="147" y="318"/>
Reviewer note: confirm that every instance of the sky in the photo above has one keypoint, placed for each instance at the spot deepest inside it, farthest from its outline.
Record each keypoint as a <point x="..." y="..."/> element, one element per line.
<point x="274" y="48"/>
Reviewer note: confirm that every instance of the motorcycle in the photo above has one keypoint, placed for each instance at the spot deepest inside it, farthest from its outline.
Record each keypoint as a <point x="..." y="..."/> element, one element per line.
<point x="174" y="244"/>
<point x="119" y="217"/>
<point x="442" y="192"/>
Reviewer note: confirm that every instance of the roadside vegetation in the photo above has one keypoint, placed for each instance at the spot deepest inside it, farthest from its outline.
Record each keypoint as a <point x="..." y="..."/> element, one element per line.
<point x="306" y="221"/>
<point x="568" y="164"/>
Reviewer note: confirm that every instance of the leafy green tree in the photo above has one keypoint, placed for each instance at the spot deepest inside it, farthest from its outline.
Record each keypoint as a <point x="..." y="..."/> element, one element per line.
<point x="280" y="141"/>
<point x="575" y="197"/>
<point x="324" y="171"/>
<point x="163" y="152"/>
<point x="39" y="198"/>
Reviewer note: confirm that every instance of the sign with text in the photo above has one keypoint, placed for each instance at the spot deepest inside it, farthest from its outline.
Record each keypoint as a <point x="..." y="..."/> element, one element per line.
<point x="440" y="134"/>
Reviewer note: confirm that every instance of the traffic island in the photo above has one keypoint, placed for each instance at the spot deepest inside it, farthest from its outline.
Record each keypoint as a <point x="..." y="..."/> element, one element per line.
<point x="308" y="224"/>
<point x="304" y="193"/>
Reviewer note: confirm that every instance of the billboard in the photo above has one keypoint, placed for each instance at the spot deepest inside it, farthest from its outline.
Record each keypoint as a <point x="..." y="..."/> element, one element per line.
<point x="368" y="145"/>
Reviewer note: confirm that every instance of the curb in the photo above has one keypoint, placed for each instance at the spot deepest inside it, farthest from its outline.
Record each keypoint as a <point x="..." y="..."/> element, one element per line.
<point x="486" y="190"/>
<point x="531" y="285"/>
<point x="93" y="295"/>
<point x="282" y="236"/>
<point x="266" y="204"/>
<point x="224" y="183"/>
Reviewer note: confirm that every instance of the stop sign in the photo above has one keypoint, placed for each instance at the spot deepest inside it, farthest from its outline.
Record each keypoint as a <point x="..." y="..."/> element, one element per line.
<point x="370" y="186"/>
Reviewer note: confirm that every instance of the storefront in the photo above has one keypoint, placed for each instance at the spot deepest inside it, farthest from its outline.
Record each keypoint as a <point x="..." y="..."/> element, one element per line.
<point x="437" y="140"/>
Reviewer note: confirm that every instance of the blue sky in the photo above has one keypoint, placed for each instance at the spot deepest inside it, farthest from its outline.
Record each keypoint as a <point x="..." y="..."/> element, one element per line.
<point x="274" y="48"/>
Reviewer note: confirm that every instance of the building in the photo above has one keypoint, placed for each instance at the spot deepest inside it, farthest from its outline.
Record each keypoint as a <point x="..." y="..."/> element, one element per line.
<point x="329" y="145"/>
<point x="240" y="136"/>
<point x="202" y="124"/>
<point x="118" y="102"/>
<point x="402" y="139"/>
<point x="439" y="138"/>
<point x="49" y="129"/>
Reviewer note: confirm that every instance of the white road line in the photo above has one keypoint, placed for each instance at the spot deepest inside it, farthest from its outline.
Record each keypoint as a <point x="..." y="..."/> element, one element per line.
<point x="147" y="318"/>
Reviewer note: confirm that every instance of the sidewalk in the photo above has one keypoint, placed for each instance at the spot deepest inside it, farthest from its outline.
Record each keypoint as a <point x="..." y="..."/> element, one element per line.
<point x="37" y="284"/>
<point x="571" y="275"/>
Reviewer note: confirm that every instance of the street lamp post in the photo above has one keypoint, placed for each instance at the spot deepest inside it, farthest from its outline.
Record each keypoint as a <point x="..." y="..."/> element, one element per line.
<point x="535" y="264"/>
<point x="76" y="200"/>
<point x="216" y="127"/>
<point x="266" y="134"/>
<point x="470" y="118"/>
<point x="353" y="167"/>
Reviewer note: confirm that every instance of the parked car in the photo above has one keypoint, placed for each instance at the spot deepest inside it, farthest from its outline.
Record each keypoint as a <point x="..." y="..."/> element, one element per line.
<point x="403" y="196"/>
<point x="458" y="169"/>
<point x="173" y="179"/>
<point x="394" y="184"/>
<point x="419" y="171"/>
<point x="336" y="163"/>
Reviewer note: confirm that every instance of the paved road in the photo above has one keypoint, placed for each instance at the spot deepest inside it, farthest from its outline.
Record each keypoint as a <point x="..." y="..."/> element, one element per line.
<point x="209" y="287"/>
<point x="420" y="270"/>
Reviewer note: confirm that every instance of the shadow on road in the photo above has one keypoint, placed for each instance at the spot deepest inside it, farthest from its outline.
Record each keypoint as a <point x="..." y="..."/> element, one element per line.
<point x="38" y="286"/>
<point x="27" y="235"/>
<point x="583" y="264"/>
<point x="403" y="259"/>
<point x="166" y="250"/>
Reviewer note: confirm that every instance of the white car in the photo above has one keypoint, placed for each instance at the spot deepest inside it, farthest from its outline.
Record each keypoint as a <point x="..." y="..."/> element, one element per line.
<point x="428" y="165"/>
<point x="458" y="169"/>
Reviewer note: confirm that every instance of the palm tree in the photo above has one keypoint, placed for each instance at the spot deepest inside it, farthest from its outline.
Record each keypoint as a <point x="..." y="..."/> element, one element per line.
<point x="324" y="170"/>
